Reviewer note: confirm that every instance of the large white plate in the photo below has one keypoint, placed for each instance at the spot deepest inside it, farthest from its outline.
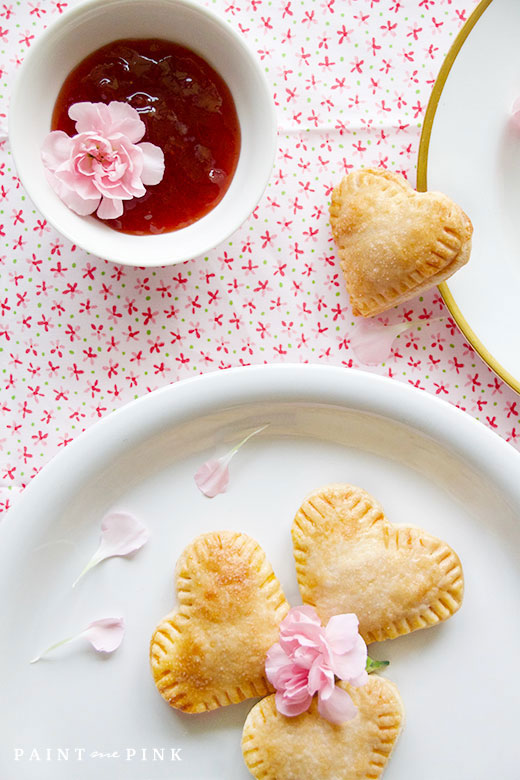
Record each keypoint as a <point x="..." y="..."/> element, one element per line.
<point x="426" y="461"/>
<point x="470" y="151"/>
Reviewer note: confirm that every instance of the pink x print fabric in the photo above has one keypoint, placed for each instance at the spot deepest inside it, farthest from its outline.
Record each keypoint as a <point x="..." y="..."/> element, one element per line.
<point x="80" y="336"/>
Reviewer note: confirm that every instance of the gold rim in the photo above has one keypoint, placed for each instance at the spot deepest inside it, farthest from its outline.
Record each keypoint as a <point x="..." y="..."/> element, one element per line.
<point x="422" y="186"/>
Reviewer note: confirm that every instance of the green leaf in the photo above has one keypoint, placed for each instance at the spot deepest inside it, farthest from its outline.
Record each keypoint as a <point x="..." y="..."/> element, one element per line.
<point x="375" y="666"/>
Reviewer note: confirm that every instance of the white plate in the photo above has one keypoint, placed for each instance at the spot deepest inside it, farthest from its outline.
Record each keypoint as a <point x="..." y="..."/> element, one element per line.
<point x="427" y="462"/>
<point x="471" y="153"/>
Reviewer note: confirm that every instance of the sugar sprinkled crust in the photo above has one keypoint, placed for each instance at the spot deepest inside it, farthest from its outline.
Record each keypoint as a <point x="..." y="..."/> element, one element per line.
<point x="393" y="242"/>
<point x="308" y="747"/>
<point x="349" y="558"/>
<point x="211" y="651"/>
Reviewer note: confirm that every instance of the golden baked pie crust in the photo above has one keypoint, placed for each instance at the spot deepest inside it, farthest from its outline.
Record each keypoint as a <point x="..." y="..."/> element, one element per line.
<point x="394" y="243"/>
<point x="211" y="651"/>
<point x="349" y="558"/>
<point x="308" y="747"/>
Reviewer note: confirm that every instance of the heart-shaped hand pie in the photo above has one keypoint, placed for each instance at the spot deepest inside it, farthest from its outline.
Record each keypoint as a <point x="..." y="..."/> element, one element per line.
<point x="349" y="558"/>
<point x="211" y="651"/>
<point x="308" y="747"/>
<point x="394" y="242"/>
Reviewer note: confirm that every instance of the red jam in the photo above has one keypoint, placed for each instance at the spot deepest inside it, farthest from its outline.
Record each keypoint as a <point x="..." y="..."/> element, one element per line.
<point x="188" y="111"/>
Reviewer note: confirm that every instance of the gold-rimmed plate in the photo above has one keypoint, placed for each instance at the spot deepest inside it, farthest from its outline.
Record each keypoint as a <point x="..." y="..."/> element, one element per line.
<point x="471" y="151"/>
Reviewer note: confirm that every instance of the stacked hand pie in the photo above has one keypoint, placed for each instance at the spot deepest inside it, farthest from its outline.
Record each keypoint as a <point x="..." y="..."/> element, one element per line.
<point x="211" y="651"/>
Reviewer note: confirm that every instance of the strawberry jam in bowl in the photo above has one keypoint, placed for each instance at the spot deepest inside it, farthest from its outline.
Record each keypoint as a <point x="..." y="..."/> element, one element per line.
<point x="143" y="130"/>
<point x="187" y="111"/>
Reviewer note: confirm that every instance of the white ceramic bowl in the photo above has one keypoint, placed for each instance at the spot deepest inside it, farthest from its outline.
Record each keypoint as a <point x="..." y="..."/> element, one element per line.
<point x="93" y="24"/>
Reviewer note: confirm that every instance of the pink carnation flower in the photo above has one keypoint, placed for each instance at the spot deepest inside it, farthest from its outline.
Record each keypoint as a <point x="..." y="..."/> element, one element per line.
<point x="103" y="164"/>
<point x="307" y="660"/>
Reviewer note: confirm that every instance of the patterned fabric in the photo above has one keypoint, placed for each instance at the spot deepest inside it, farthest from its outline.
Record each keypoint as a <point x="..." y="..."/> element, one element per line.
<point x="80" y="336"/>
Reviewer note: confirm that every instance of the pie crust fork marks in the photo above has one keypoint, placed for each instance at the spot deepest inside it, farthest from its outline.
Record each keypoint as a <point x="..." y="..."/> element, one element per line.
<point x="350" y="558"/>
<point x="211" y="651"/>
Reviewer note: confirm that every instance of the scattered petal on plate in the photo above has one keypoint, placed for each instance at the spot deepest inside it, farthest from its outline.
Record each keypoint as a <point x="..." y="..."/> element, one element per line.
<point x="104" y="635"/>
<point x="121" y="534"/>
<point x="212" y="477"/>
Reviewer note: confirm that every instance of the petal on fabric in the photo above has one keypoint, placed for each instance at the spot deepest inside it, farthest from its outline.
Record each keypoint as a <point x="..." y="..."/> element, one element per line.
<point x="110" y="208"/>
<point x="337" y="707"/>
<point x="153" y="163"/>
<point x="125" y="120"/>
<point x="56" y="149"/>
<point x="371" y="340"/>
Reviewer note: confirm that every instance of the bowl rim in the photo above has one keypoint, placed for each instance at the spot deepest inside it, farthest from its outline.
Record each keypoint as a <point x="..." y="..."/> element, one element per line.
<point x="148" y="256"/>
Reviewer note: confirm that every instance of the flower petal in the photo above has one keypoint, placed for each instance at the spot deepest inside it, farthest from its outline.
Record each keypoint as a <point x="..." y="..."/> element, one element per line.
<point x="126" y="120"/>
<point x="82" y="206"/>
<point x="105" y="635"/>
<point x="56" y="149"/>
<point x="82" y="186"/>
<point x="153" y="163"/>
<point x="352" y="665"/>
<point x="110" y="208"/>
<point x="212" y="477"/>
<point x="301" y="628"/>
<point x="371" y="340"/>
<point x="337" y="707"/>
<point x="277" y="663"/>
<point x="291" y="708"/>
<point x="341" y="632"/>
<point x="320" y="679"/>
<point x="89" y="117"/>
<point x="121" y="534"/>
<point x="360" y="680"/>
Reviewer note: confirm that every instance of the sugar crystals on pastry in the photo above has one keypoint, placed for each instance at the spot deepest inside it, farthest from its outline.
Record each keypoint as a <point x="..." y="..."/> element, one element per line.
<point x="350" y="558"/>
<point x="211" y="650"/>
<point x="393" y="242"/>
<point x="308" y="747"/>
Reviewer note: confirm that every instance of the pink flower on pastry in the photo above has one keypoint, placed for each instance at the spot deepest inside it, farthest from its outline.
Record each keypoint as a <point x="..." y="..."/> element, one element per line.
<point x="308" y="658"/>
<point x="103" y="165"/>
